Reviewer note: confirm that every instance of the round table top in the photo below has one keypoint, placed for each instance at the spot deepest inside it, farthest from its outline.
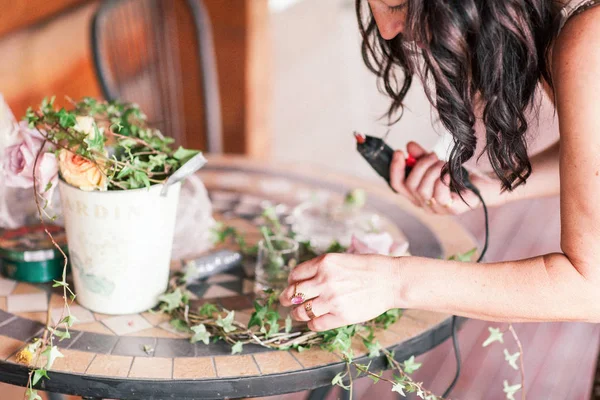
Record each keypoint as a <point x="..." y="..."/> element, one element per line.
<point x="143" y="356"/>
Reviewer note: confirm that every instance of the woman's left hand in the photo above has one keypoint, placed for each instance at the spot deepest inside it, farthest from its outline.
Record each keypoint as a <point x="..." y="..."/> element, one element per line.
<point x="343" y="289"/>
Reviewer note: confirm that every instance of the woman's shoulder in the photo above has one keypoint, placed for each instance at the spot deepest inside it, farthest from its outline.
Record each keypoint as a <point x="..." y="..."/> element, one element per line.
<point x="573" y="9"/>
<point x="580" y="32"/>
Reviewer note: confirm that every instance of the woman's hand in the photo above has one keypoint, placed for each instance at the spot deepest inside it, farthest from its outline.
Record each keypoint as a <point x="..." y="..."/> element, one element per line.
<point x="343" y="289"/>
<point x="425" y="189"/>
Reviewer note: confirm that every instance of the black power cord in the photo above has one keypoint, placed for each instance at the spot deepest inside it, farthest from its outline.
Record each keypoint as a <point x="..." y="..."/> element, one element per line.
<point x="379" y="155"/>
<point x="473" y="189"/>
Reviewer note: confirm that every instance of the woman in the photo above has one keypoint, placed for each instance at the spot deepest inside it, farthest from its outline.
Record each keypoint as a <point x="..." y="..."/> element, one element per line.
<point x="487" y="59"/>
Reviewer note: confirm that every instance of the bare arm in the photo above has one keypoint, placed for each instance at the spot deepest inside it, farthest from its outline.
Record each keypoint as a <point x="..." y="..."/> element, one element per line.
<point x="555" y="286"/>
<point x="348" y="288"/>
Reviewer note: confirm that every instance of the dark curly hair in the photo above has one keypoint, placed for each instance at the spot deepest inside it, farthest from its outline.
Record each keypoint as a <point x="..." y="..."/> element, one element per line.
<point x="492" y="53"/>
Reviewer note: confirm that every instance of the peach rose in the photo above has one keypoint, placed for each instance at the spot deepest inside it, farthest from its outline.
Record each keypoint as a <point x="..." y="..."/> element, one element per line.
<point x="81" y="172"/>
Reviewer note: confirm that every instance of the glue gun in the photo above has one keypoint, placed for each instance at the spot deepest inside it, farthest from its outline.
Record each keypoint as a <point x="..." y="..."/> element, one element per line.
<point x="379" y="155"/>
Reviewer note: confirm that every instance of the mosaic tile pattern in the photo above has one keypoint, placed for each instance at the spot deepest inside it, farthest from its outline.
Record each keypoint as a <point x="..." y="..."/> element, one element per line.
<point x="146" y="346"/>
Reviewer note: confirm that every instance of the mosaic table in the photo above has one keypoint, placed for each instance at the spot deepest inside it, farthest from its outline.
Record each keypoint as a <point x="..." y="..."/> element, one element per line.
<point x="143" y="357"/>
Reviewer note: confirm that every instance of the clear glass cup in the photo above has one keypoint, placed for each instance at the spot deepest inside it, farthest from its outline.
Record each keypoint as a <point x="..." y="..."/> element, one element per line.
<point x="276" y="258"/>
<point x="325" y="223"/>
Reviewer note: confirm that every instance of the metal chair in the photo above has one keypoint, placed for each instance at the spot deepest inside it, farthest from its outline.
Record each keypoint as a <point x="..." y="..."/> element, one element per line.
<point x="156" y="53"/>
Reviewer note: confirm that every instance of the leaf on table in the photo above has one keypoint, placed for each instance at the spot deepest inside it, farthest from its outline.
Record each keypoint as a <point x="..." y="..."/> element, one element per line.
<point x="237" y="348"/>
<point x="171" y="301"/>
<point x="200" y="334"/>
<point x="288" y="324"/>
<point x="227" y="322"/>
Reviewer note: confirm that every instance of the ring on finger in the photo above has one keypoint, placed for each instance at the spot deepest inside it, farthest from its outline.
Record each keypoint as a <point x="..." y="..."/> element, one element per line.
<point x="298" y="297"/>
<point x="309" y="310"/>
<point x="431" y="202"/>
<point x="448" y="204"/>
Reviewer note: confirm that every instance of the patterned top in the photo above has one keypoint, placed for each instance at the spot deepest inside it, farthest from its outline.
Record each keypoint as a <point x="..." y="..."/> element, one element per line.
<point x="576" y="7"/>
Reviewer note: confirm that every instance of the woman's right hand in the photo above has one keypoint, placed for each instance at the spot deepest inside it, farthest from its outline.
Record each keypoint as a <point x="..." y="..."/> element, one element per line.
<point x="425" y="189"/>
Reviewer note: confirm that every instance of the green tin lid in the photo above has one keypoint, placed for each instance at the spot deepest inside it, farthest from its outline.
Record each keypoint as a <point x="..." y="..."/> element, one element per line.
<point x="31" y="243"/>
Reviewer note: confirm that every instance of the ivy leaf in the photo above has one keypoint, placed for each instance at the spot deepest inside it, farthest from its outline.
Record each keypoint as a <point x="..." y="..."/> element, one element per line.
<point x="200" y="334"/>
<point x="32" y="394"/>
<point x="399" y="388"/>
<point x="171" y="301"/>
<point x="142" y="178"/>
<point x="156" y="161"/>
<point x="62" y="335"/>
<point x="39" y="374"/>
<point x="511" y="390"/>
<point x="375" y="378"/>
<point x="227" y="322"/>
<point x="300" y="349"/>
<point x="495" y="336"/>
<point x="69" y="320"/>
<point x="355" y="199"/>
<point x="288" y="324"/>
<point x="184" y="155"/>
<point x="180" y="325"/>
<point x="52" y="354"/>
<point x="96" y="142"/>
<point x="512" y="358"/>
<point x="373" y="347"/>
<point x="237" y="348"/>
<point x="411" y="366"/>
<point x="464" y="257"/>
<point x="258" y="316"/>
<point x="421" y="393"/>
<point x="339" y="381"/>
<point x="207" y="310"/>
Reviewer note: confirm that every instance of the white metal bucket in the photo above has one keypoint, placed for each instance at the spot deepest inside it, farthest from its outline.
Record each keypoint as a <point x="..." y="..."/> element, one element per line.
<point x="119" y="245"/>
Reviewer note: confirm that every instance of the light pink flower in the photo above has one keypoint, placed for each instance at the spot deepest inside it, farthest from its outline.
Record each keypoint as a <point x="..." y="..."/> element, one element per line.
<point x="377" y="243"/>
<point x="19" y="161"/>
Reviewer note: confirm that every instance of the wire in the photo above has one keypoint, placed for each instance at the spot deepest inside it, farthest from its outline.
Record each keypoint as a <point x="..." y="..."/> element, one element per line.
<point x="473" y="189"/>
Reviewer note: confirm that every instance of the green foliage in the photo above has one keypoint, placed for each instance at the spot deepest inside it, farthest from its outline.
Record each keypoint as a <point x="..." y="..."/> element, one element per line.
<point x="355" y="199"/>
<point x="227" y="323"/>
<point x="171" y="301"/>
<point x="51" y="353"/>
<point x="338" y="380"/>
<point x="464" y="257"/>
<point x="237" y="348"/>
<point x="39" y="374"/>
<point x="32" y="394"/>
<point x="207" y="310"/>
<point x="200" y="334"/>
<point x="410" y="365"/>
<point x="140" y="155"/>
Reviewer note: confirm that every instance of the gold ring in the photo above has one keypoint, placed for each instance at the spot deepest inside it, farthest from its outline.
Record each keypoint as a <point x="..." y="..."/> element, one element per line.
<point x="298" y="297"/>
<point x="309" y="311"/>
<point x="449" y="203"/>
<point x="431" y="202"/>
